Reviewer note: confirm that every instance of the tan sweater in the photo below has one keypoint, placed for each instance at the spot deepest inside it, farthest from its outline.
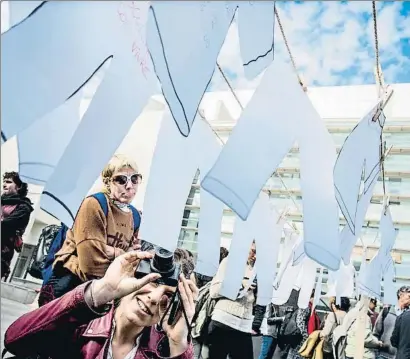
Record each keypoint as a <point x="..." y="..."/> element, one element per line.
<point x="84" y="252"/>
<point x="236" y="314"/>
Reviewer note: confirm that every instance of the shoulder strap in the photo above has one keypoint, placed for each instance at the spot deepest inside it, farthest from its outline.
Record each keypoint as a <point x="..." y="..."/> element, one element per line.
<point x="136" y="217"/>
<point x="102" y="200"/>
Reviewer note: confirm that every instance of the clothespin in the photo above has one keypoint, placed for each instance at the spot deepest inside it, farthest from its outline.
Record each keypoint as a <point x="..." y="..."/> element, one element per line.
<point x="383" y="102"/>
<point x="386" y="203"/>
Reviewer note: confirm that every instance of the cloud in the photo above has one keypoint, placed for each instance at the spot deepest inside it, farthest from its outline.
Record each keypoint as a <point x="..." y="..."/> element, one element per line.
<point x="332" y="43"/>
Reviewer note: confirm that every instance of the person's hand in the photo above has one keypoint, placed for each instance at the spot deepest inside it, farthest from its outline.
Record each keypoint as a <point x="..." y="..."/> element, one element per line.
<point x="178" y="333"/>
<point x="255" y="333"/>
<point x="119" y="279"/>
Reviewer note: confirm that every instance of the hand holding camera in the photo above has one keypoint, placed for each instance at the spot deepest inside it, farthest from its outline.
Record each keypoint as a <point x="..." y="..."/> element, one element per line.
<point x="119" y="279"/>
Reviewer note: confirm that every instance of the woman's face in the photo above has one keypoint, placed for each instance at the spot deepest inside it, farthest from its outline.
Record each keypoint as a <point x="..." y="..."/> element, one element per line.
<point x="124" y="185"/>
<point x="141" y="308"/>
<point x="9" y="187"/>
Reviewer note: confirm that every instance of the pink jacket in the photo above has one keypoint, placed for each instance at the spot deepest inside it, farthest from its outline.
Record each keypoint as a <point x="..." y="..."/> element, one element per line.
<point x="68" y="328"/>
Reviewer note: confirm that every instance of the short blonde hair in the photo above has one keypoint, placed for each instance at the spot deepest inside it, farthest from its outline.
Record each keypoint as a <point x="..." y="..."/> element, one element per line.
<point x="116" y="163"/>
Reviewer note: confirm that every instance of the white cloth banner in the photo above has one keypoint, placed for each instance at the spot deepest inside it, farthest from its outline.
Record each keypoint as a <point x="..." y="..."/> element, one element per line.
<point x="279" y="114"/>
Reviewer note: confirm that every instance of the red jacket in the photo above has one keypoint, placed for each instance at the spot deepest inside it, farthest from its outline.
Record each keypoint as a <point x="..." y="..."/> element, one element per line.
<point x="68" y="328"/>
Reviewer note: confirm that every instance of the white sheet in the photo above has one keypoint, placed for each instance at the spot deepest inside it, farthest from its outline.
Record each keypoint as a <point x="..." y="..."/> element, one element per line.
<point x="360" y="152"/>
<point x="278" y="114"/>
<point x="41" y="146"/>
<point x="256" y="31"/>
<point x="39" y="76"/>
<point x="262" y="225"/>
<point x="381" y="264"/>
<point x="175" y="162"/>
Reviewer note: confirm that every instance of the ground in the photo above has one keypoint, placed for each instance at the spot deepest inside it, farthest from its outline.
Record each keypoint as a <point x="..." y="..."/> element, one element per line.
<point x="10" y="311"/>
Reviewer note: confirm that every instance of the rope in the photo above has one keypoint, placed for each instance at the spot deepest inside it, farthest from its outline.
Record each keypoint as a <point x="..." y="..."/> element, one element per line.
<point x="292" y="59"/>
<point x="376" y="44"/>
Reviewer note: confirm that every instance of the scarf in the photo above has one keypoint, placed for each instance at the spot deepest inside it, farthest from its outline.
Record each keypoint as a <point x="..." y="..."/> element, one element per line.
<point x="314" y="320"/>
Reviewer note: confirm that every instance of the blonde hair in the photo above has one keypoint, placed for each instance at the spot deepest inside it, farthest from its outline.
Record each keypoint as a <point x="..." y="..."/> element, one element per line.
<point x="116" y="163"/>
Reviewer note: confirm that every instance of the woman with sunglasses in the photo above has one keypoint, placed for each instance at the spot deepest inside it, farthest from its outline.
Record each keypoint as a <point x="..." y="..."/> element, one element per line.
<point x="96" y="238"/>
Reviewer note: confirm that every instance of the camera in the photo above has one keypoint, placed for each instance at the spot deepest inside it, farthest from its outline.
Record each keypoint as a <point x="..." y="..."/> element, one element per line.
<point x="162" y="263"/>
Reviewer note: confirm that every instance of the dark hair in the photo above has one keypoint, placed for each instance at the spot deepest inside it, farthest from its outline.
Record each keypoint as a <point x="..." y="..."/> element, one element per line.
<point x="223" y="253"/>
<point x="22" y="187"/>
<point x="344" y="304"/>
<point x="403" y="289"/>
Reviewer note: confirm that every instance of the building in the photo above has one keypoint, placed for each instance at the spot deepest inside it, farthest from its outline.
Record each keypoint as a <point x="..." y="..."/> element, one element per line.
<point x="340" y="107"/>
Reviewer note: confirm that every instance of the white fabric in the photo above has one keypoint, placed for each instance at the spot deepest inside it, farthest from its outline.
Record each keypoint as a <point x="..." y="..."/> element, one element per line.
<point x="38" y="76"/>
<point x="278" y="114"/>
<point x="41" y="145"/>
<point x="256" y="25"/>
<point x="174" y="164"/>
<point x="340" y="283"/>
<point x="262" y="225"/>
<point x="381" y="264"/>
<point x="184" y="39"/>
<point x="361" y="150"/>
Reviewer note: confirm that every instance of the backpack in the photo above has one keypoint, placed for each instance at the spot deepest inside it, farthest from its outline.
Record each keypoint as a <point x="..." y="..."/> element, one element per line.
<point x="203" y="313"/>
<point x="339" y="340"/>
<point x="289" y="333"/>
<point x="57" y="242"/>
<point x="44" y="242"/>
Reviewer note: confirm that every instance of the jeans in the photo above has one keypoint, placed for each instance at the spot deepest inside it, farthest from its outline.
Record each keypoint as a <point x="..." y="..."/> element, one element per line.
<point x="268" y="347"/>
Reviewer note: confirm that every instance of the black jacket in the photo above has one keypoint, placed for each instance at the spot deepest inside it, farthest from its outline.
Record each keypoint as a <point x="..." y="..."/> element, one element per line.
<point x="13" y="225"/>
<point x="400" y="338"/>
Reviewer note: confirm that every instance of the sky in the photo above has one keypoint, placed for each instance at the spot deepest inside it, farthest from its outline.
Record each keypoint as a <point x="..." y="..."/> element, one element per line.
<point x="332" y="43"/>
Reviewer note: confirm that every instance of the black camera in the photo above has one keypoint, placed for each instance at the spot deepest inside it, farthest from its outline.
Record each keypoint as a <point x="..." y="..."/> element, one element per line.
<point x="162" y="263"/>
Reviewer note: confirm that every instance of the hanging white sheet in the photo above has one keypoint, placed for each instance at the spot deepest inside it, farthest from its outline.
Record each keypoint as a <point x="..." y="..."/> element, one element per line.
<point x="360" y="153"/>
<point x="175" y="162"/>
<point x="381" y="264"/>
<point x="256" y="23"/>
<point x="263" y="227"/>
<point x="41" y="146"/>
<point x="278" y="114"/>
<point x="38" y="76"/>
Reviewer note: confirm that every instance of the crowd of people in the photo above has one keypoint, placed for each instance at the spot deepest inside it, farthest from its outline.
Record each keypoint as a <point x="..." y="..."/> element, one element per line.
<point x="93" y="305"/>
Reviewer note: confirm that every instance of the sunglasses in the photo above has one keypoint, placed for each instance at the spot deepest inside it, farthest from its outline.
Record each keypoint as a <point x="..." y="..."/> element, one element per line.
<point x="123" y="179"/>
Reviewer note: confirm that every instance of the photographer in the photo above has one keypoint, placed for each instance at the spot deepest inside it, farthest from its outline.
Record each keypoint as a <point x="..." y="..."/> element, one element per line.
<point x="84" y="323"/>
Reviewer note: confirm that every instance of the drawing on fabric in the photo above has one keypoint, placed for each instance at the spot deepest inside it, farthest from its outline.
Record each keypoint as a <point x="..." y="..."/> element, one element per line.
<point x="358" y="158"/>
<point x="91" y="34"/>
<point x="186" y="71"/>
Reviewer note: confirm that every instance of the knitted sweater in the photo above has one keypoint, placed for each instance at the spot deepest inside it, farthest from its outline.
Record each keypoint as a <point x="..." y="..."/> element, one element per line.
<point x="236" y="314"/>
<point x="84" y="252"/>
<point x="383" y="330"/>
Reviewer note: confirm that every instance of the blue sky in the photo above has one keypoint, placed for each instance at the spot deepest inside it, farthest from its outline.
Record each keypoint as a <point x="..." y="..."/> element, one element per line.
<point x="332" y="43"/>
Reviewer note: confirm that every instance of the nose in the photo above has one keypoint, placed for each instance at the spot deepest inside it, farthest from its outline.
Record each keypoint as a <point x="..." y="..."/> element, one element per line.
<point x="128" y="185"/>
<point x="156" y="295"/>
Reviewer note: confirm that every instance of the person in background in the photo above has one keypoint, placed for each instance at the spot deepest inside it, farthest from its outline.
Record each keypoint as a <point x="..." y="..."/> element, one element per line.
<point x="202" y="279"/>
<point x="302" y="319"/>
<point x="332" y="320"/>
<point x="371" y="342"/>
<point x="231" y="325"/>
<point x="400" y="337"/>
<point x="85" y="323"/>
<point x="275" y="315"/>
<point x="95" y="240"/>
<point x="403" y="299"/>
<point x="314" y="320"/>
<point x="372" y="311"/>
<point x="383" y="331"/>
<point x="15" y="216"/>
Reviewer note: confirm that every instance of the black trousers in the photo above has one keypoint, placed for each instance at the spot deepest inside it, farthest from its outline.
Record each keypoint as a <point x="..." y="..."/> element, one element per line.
<point x="60" y="283"/>
<point x="224" y="341"/>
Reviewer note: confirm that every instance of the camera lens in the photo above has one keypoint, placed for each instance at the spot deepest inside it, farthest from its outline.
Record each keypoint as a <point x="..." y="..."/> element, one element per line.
<point x="163" y="261"/>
